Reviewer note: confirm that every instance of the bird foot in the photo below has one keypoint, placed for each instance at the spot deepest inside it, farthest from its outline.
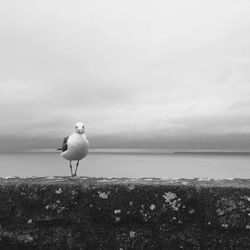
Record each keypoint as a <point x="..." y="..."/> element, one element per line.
<point x="74" y="176"/>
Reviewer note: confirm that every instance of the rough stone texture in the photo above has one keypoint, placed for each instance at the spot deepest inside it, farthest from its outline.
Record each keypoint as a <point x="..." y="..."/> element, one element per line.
<point x="88" y="213"/>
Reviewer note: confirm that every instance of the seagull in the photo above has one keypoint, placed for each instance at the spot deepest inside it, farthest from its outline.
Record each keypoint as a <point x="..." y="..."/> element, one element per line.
<point x="75" y="147"/>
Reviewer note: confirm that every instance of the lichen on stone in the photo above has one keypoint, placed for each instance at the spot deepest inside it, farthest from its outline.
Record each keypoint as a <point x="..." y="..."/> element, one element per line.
<point x="224" y="225"/>
<point x="225" y="205"/>
<point x="117" y="219"/>
<point x="171" y="199"/>
<point x="191" y="211"/>
<point x="25" y="238"/>
<point x="247" y="198"/>
<point x="117" y="211"/>
<point x="229" y="211"/>
<point x="169" y="196"/>
<point x="59" y="191"/>
<point x="103" y="195"/>
<point x="132" y="234"/>
<point x="220" y="212"/>
<point x="152" y="207"/>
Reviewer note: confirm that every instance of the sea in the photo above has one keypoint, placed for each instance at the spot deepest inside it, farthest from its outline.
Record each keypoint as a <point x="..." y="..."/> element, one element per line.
<point x="130" y="163"/>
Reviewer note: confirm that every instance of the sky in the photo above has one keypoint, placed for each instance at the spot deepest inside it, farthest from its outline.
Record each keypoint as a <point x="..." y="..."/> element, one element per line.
<point x="138" y="73"/>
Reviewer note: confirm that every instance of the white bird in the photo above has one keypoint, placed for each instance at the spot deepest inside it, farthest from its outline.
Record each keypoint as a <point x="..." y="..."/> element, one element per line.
<point x="75" y="147"/>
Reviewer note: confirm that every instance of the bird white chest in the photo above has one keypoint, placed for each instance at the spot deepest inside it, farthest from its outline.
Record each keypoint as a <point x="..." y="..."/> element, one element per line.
<point x="78" y="146"/>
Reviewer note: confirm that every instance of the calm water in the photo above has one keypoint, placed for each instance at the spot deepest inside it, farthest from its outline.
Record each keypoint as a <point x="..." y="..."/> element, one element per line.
<point x="129" y="165"/>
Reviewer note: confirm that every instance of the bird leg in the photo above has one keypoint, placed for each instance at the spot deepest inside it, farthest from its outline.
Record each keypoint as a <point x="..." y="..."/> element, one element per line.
<point x="77" y="164"/>
<point x="70" y="165"/>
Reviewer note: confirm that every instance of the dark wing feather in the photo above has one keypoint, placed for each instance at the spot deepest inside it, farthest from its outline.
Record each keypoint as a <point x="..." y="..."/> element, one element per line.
<point x="64" y="145"/>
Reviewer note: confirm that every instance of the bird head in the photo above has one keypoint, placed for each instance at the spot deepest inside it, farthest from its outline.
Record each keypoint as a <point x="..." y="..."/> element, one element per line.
<point x="79" y="128"/>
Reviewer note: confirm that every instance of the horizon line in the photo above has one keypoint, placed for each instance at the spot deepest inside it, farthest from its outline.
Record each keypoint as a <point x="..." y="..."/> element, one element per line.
<point x="141" y="151"/>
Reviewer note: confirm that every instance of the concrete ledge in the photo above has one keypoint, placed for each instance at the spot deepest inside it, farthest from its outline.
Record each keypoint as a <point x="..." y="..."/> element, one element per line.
<point x="87" y="213"/>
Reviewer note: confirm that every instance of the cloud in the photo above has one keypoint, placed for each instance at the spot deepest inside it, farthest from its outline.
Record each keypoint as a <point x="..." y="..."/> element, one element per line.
<point x="137" y="73"/>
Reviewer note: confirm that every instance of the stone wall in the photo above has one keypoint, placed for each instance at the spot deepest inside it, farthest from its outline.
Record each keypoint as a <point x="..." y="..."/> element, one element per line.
<point x="87" y="213"/>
